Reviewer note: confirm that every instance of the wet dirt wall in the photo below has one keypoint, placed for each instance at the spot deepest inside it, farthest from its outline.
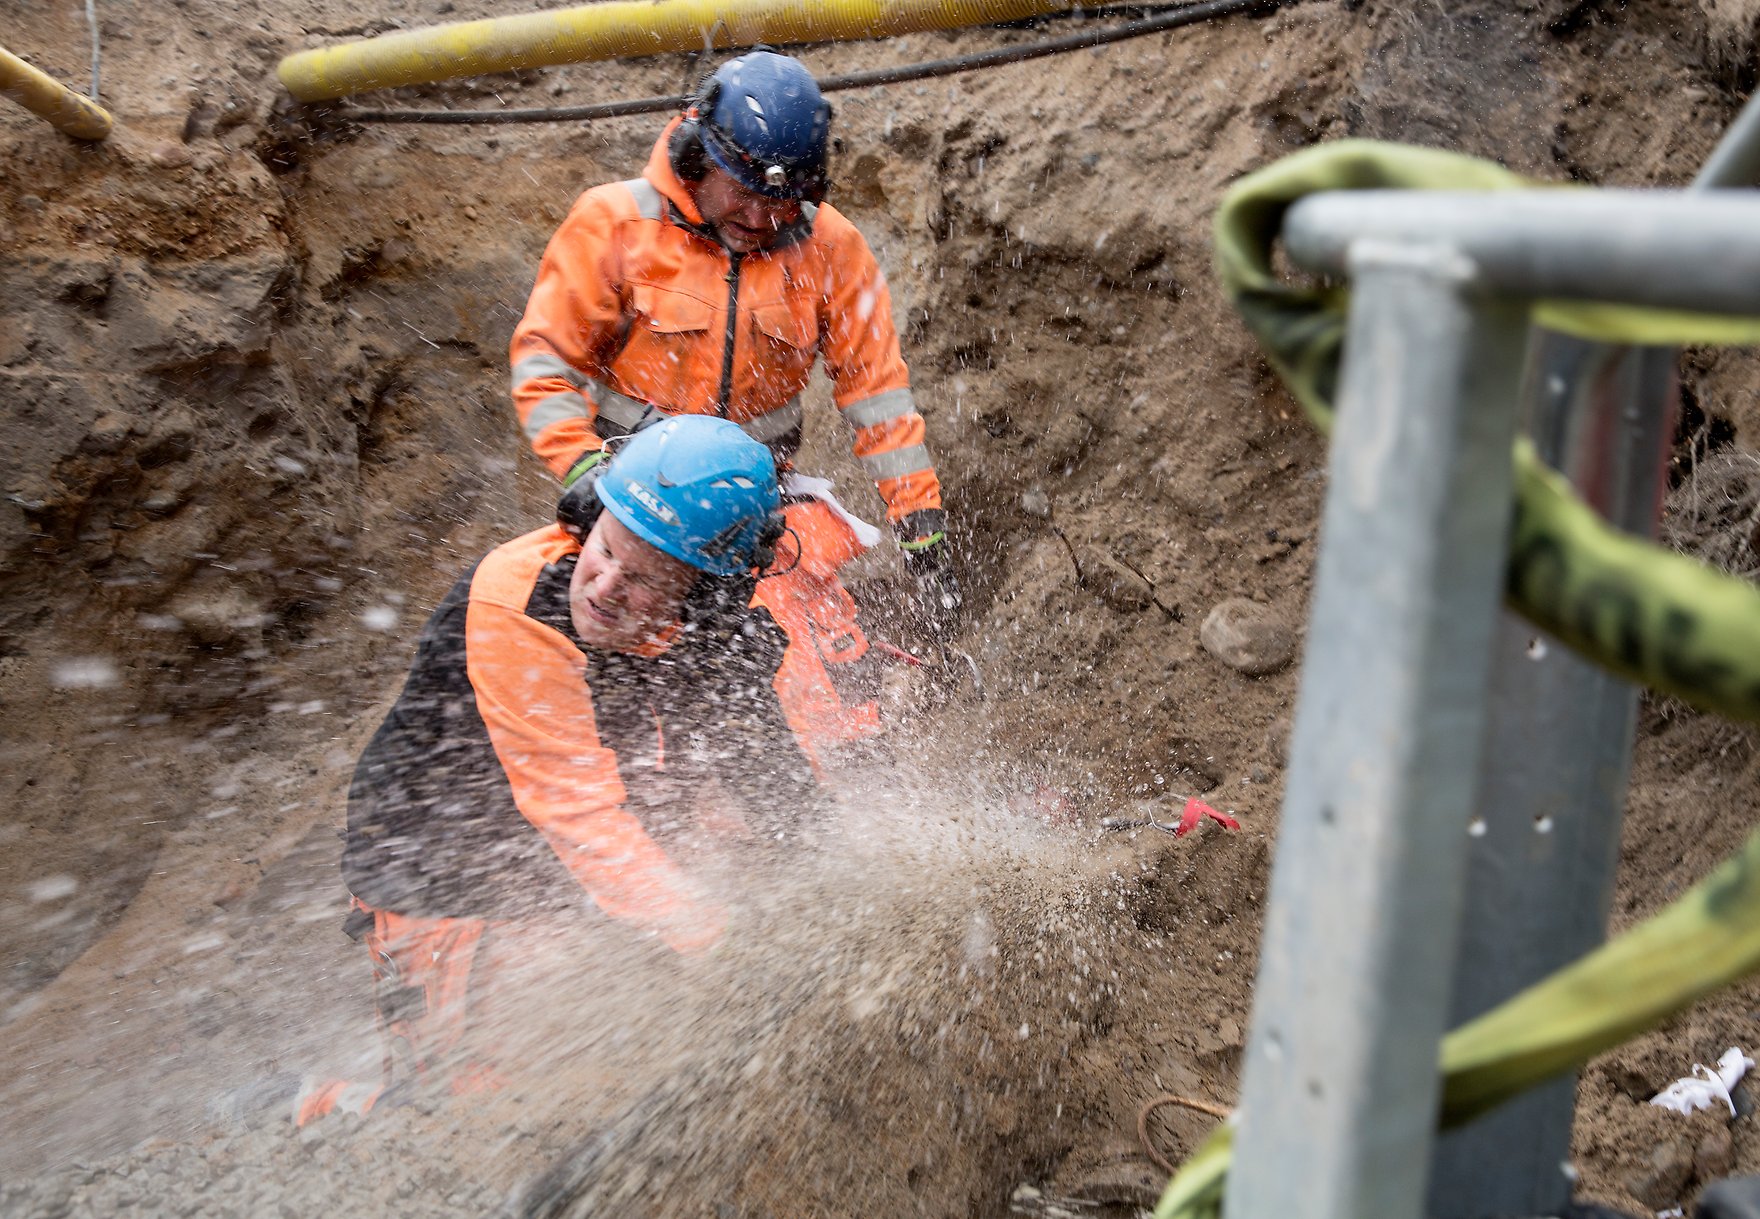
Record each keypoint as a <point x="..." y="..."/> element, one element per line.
<point x="253" y="371"/>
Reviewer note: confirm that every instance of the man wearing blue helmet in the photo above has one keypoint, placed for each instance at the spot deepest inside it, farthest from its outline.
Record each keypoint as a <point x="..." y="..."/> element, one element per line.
<point x="711" y="285"/>
<point x="570" y="699"/>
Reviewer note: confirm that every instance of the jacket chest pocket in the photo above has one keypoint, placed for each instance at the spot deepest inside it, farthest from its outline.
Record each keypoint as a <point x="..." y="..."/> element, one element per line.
<point x="665" y="312"/>
<point x="672" y="350"/>
<point x="786" y="340"/>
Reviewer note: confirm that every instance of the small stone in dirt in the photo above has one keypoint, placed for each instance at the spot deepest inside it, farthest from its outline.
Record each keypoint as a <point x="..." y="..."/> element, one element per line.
<point x="1034" y="502"/>
<point x="1715" y="1155"/>
<point x="219" y="617"/>
<point x="108" y="433"/>
<point x="1248" y="637"/>
<point x="1660" y="1183"/>
<point x="171" y="156"/>
<point x="162" y="502"/>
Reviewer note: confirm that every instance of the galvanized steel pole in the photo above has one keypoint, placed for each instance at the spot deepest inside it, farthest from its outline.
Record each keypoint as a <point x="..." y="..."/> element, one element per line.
<point x="1540" y="878"/>
<point x="1340" y="1089"/>
<point x="1391" y="745"/>
<point x="1541" y="867"/>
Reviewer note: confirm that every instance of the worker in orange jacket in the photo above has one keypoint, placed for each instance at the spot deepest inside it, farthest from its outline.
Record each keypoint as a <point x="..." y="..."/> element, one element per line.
<point x="710" y="285"/>
<point x="570" y="697"/>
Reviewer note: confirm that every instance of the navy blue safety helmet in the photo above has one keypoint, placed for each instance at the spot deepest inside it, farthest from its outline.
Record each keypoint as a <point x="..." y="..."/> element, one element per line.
<point x="764" y="122"/>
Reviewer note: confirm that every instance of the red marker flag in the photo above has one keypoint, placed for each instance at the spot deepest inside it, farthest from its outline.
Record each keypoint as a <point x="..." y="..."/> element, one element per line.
<point x="1196" y="810"/>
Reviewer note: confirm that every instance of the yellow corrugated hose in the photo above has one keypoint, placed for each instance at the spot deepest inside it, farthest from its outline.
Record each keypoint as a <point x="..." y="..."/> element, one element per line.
<point x="622" y="29"/>
<point x="42" y="94"/>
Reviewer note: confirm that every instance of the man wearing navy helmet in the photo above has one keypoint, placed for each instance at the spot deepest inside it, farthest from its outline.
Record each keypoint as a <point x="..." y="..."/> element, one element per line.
<point x="711" y="285"/>
<point x="569" y="698"/>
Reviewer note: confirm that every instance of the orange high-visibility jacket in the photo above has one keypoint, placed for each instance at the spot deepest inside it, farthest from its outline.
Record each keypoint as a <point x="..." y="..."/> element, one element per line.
<point x="638" y="307"/>
<point x="519" y="767"/>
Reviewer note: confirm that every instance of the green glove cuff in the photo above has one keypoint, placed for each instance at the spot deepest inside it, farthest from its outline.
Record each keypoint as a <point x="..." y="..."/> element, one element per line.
<point x="585" y="462"/>
<point x="922" y="544"/>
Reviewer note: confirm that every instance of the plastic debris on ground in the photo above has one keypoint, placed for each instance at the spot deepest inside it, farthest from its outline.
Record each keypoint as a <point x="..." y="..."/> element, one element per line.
<point x="1704" y="1087"/>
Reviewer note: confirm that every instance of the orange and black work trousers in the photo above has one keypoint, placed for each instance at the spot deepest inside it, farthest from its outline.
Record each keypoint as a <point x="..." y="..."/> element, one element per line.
<point x="431" y="978"/>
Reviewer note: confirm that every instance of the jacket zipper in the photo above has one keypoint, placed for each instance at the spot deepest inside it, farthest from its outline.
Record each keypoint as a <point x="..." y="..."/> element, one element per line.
<point x="726" y="397"/>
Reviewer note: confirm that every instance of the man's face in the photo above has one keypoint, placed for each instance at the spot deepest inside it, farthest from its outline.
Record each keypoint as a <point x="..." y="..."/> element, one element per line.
<point x="745" y="220"/>
<point x="624" y="591"/>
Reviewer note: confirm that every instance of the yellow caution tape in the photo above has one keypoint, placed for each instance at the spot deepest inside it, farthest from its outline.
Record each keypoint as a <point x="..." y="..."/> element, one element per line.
<point x="1643" y="611"/>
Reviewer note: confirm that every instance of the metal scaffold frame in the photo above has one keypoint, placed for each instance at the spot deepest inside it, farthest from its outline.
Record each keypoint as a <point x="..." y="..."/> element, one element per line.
<point x="1456" y="781"/>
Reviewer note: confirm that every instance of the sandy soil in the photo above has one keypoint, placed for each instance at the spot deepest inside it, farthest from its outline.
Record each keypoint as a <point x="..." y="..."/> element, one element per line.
<point x="254" y="374"/>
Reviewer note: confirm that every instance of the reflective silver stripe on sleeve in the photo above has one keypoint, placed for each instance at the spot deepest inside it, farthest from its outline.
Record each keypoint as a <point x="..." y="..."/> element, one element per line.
<point x="554" y="409"/>
<point x="899" y="462"/>
<point x="648" y="202"/>
<point x="545" y="364"/>
<point x="881" y="408"/>
<point x="774" y="425"/>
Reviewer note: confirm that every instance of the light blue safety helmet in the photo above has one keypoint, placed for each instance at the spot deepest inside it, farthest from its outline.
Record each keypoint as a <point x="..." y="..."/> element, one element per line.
<point x="698" y="488"/>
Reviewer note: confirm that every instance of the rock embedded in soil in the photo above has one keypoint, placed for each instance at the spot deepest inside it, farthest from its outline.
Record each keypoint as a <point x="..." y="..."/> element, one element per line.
<point x="1715" y="1155"/>
<point x="219" y="617"/>
<point x="1664" y="1176"/>
<point x="1248" y="637"/>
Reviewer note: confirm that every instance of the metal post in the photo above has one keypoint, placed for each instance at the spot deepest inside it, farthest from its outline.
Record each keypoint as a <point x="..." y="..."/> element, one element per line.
<point x="1736" y="159"/>
<point x="1546" y="846"/>
<point x="1540" y="881"/>
<point x="1362" y="934"/>
<point x="1340" y="1085"/>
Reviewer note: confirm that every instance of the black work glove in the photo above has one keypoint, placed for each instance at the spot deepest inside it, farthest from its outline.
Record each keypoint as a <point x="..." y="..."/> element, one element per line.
<point x="939" y="602"/>
<point x="578" y="508"/>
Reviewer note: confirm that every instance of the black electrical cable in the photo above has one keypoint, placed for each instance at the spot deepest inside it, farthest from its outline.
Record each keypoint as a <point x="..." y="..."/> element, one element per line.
<point x="1189" y="14"/>
<point x="1081" y="13"/>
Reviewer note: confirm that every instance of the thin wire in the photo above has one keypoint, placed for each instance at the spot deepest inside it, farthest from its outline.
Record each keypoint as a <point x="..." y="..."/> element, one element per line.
<point x="1190" y="14"/>
<point x="92" y="21"/>
<point x="1168" y="1098"/>
<point x="799" y="549"/>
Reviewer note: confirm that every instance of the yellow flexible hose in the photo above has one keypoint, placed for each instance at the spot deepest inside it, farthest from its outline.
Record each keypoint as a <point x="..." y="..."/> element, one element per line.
<point x="42" y="94"/>
<point x="622" y="29"/>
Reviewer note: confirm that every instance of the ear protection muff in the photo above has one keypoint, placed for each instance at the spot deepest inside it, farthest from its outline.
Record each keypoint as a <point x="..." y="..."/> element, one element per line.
<point x="685" y="150"/>
<point x="579" y="508"/>
<point x="764" y="553"/>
